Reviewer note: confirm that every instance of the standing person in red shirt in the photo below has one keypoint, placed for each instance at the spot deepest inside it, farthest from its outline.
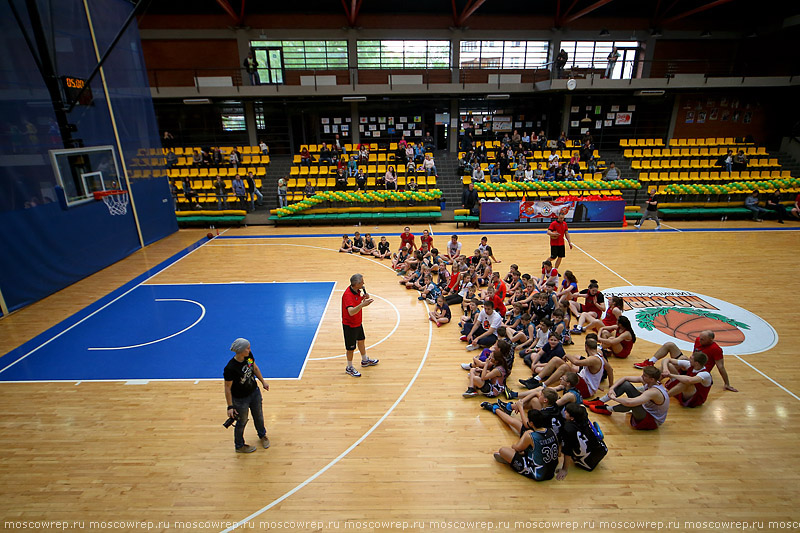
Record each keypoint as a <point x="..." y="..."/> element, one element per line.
<point x="354" y="299"/>
<point x="795" y="212"/>
<point x="407" y="238"/>
<point x="558" y="231"/>
<point x="703" y="343"/>
<point x="500" y="291"/>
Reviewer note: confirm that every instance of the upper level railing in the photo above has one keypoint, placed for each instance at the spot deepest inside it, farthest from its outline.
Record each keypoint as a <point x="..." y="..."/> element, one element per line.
<point x="236" y="77"/>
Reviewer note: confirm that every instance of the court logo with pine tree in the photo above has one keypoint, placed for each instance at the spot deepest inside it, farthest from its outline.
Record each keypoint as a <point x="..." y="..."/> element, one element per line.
<point x="686" y="323"/>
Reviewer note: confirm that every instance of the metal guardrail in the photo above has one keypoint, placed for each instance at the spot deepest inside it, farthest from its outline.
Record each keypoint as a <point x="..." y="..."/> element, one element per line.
<point x="639" y="69"/>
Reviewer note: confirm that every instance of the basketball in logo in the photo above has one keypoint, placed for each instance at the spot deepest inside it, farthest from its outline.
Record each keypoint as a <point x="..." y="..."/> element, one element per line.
<point x="686" y="324"/>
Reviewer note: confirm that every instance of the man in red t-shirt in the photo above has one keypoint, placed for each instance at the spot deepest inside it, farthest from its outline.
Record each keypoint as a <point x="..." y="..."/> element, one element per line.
<point x="354" y="299"/>
<point x="407" y="238"/>
<point x="558" y="231"/>
<point x="703" y="343"/>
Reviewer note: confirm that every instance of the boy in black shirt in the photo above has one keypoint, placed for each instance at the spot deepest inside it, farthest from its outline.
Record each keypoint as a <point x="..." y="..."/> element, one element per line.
<point x="579" y="443"/>
<point x="242" y="393"/>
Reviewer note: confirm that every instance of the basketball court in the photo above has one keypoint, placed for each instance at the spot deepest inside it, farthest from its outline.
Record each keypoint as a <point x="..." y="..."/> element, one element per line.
<point x="114" y="401"/>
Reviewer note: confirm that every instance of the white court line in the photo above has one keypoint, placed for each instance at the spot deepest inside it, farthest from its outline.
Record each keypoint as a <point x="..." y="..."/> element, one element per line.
<point x="352" y="446"/>
<point x="787" y="391"/>
<point x="672" y="227"/>
<point x="97" y="311"/>
<point x="202" y="315"/>
<point x="396" y="325"/>
<point x="602" y="265"/>
<point x="319" y="325"/>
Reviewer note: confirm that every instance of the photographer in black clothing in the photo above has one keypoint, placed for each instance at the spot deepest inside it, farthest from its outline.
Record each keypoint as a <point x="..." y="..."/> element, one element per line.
<point x="242" y="394"/>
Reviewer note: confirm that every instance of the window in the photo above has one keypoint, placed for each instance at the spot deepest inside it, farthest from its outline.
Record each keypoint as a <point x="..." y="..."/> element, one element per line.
<point x="321" y="55"/>
<point x="594" y="54"/>
<point x="504" y="54"/>
<point x="403" y="54"/>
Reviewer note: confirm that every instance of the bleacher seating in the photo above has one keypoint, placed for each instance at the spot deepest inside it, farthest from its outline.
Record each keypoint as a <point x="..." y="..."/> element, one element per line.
<point x="202" y="176"/>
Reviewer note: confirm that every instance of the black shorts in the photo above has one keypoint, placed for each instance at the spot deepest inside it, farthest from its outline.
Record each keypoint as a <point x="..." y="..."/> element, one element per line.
<point x="558" y="251"/>
<point x="352" y="336"/>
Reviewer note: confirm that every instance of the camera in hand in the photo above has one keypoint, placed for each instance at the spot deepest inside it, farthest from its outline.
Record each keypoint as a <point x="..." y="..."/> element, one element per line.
<point x="228" y="422"/>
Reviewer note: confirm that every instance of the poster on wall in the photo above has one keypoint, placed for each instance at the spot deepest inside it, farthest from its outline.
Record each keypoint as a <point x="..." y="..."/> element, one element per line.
<point x="362" y="120"/>
<point x="391" y="121"/>
<point x="623" y="119"/>
<point x="574" y="109"/>
<point x="373" y="127"/>
<point x="574" y="124"/>
<point x="347" y="119"/>
<point x="418" y="119"/>
<point x="403" y="119"/>
<point x="701" y="117"/>
<point x="598" y="124"/>
<point x="326" y="121"/>
<point x="631" y="108"/>
<point x="337" y="121"/>
<point x="345" y="128"/>
<point x="418" y="133"/>
<point x="689" y="117"/>
<point x="407" y="133"/>
<point x="614" y="108"/>
<point x="610" y="116"/>
<point x="326" y="129"/>
<point x="608" y="123"/>
<point x="597" y="110"/>
<point x="383" y="126"/>
<point x="334" y="129"/>
<point x="382" y="120"/>
<point x="714" y="115"/>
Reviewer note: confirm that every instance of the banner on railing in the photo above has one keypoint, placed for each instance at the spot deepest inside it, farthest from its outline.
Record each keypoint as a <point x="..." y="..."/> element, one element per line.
<point x="540" y="209"/>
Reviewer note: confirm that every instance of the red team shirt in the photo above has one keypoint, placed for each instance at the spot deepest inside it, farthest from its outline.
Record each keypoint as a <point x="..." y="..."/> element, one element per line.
<point x="406" y="238"/>
<point x="428" y="240"/>
<point x="561" y="228"/>
<point x="713" y="351"/>
<point x="351" y="299"/>
<point x="499" y="296"/>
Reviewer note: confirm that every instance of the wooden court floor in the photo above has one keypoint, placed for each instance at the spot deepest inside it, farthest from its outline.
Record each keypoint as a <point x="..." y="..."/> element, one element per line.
<point x="399" y="447"/>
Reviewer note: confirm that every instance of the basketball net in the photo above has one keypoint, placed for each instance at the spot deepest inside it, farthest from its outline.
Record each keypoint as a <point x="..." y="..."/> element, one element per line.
<point x="116" y="201"/>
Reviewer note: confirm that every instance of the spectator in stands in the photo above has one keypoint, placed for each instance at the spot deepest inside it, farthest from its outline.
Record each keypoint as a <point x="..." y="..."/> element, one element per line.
<point x="361" y="181"/>
<point x="552" y="160"/>
<point x="168" y="140"/>
<point x="251" y="67"/>
<point x="402" y="143"/>
<point x="253" y="191"/>
<point x="466" y="143"/>
<point x="526" y="141"/>
<point x="206" y="157"/>
<point x="263" y="147"/>
<point x="197" y="159"/>
<point x="562" y="141"/>
<point x="528" y="173"/>
<point x="352" y="167"/>
<point x="363" y="153"/>
<point x="477" y="173"/>
<point x="542" y="140"/>
<point x="516" y="140"/>
<point x="550" y="174"/>
<point x="591" y="165"/>
<point x="611" y="173"/>
<point x="391" y="179"/>
<point x="774" y="204"/>
<point x="428" y="142"/>
<point x="325" y="154"/>
<point x="235" y="158"/>
<point x="338" y="147"/>
<point x="172" y="159"/>
<point x="561" y="172"/>
<point x="538" y="173"/>
<point x="561" y="62"/>
<point x="612" y="58"/>
<point x="412" y="186"/>
<point x="751" y="203"/>
<point x="480" y="154"/>
<point x="409" y="155"/>
<point x="341" y="181"/>
<point x="494" y="173"/>
<point x="469" y="200"/>
<point x="221" y="192"/>
<point x="216" y="157"/>
<point x="282" y="192"/>
<point x="309" y="190"/>
<point x="519" y="173"/>
<point x="419" y="153"/>
<point x="729" y="161"/>
<point x="305" y="157"/>
<point x="740" y="161"/>
<point x="429" y="165"/>
<point x="239" y="191"/>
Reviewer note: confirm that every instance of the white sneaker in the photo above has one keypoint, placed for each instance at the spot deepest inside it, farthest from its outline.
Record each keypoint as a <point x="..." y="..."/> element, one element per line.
<point x="471" y="347"/>
<point x="637" y="226"/>
<point x="658" y="227"/>
<point x="466" y="366"/>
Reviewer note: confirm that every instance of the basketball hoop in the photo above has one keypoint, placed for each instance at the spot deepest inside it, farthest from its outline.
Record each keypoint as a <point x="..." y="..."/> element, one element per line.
<point x="116" y="201"/>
